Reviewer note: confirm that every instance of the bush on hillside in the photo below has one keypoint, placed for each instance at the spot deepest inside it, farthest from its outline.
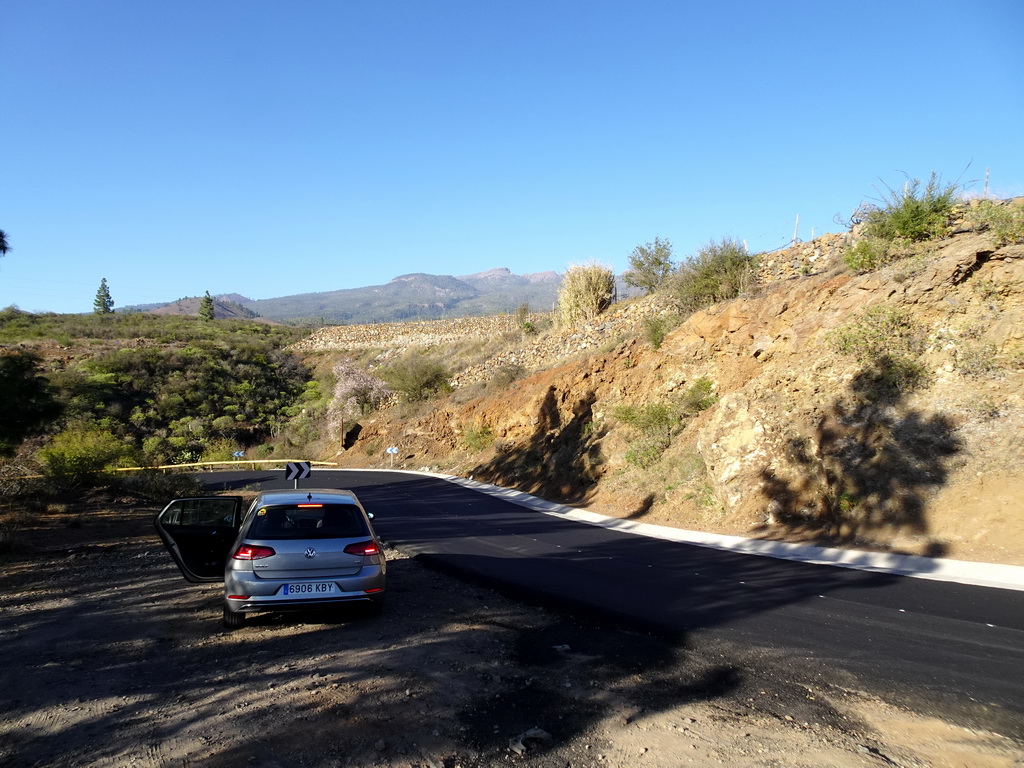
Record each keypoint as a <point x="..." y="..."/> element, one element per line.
<point x="887" y="341"/>
<point x="866" y="256"/>
<point x="78" y="457"/>
<point x="977" y="358"/>
<point x="477" y="437"/>
<point x="1005" y="222"/>
<point x="656" y="423"/>
<point x="656" y="328"/>
<point x="174" y="402"/>
<point x="417" y="377"/>
<point x="656" y="419"/>
<point x="699" y="396"/>
<point x="910" y="214"/>
<point x="27" y="404"/>
<point x="650" y="265"/>
<point x="719" y="271"/>
<point x="506" y="374"/>
<point x="17" y="325"/>
<point x="587" y="291"/>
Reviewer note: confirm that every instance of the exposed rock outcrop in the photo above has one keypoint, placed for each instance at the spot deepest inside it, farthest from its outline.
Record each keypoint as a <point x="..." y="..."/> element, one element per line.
<point x="804" y="442"/>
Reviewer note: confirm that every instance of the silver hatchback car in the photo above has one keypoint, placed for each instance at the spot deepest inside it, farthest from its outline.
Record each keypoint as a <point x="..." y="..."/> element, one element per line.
<point x="292" y="550"/>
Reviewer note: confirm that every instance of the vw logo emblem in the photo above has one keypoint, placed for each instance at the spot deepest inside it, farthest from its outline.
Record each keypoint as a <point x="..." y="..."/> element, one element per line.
<point x="310" y="553"/>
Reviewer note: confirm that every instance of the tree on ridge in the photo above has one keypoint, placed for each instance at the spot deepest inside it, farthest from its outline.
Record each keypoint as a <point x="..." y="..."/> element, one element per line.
<point x="104" y="304"/>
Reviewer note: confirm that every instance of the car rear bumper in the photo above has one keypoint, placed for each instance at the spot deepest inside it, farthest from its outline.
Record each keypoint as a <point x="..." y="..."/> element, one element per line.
<point x="255" y="604"/>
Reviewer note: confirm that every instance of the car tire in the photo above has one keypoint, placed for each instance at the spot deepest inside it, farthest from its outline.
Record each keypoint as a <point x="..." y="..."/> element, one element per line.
<point x="233" y="619"/>
<point x="375" y="606"/>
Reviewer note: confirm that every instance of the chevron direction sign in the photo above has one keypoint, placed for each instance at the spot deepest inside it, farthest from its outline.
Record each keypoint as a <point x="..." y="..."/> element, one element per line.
<point x="296" y="470"/>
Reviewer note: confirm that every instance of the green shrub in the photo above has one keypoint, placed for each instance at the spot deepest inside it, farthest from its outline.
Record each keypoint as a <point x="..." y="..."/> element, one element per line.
<point x="976" y="358"/>
<point x="27" y="404"/>
<point x="878" y="331"/>
<point x="477" y="437"/>
<point x="417" y="377"/>
<point x="659" y="419"/>
<point x="865" y="256"/>
<point x="656" y="423"/>
<point x="645" y="453"/>
<point x="650" y="265"/>
<point x="1004" y="222"/>
<point x="527" y="326"/>
<point x="700" y="396"/>
<point x="655" y="330"/>
<point x="586" y="292"/>
<point x="887" y="342"/>
<point x="911" y="214"/>
<point x="1015" y="357"/>
<point x="219" y="450"/>
<point x="895" y="374"/>
<point x="186" y="396"/>
<point x="78" y="456"/>
<point x="703" y="496"/>
<point x="506" y="374"/>
<point x="717" y="272"/>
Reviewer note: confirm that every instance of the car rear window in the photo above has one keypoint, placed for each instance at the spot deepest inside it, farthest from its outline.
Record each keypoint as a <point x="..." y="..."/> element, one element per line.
<point x="308" y="521"/>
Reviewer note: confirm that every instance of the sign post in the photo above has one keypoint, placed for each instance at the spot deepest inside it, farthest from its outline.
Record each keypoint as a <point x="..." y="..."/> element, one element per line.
<point x="391" y="452"/>
<point x="296" y="470"/>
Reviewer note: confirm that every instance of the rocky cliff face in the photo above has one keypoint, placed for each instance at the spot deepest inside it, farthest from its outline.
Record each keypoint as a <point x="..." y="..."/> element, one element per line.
<point x="804" y="441"/>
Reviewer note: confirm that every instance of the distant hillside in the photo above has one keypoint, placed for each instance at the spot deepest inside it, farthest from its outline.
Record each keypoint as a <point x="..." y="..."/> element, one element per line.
<point x="222" y="308"/>
<point x="417" y="296"/>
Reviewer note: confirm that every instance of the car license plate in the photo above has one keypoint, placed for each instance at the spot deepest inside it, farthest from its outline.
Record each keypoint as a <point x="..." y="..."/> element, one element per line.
<point x="311" y="588"/>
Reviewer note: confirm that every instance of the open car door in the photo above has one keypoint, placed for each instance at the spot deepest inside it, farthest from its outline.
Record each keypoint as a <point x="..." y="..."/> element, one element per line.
<point x="198" y="532"/>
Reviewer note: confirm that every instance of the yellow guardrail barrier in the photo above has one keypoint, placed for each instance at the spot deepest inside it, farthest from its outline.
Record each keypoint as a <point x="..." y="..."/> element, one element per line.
<point x="244" y="462"/>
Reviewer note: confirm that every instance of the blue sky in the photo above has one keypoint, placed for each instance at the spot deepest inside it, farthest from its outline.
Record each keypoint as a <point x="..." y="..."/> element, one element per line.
<point x="273" y="148"/>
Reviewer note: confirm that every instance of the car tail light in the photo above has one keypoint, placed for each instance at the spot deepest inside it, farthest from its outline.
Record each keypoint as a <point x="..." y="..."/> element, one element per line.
<point x="245" y="552"/>
<point x="363" y="548"/>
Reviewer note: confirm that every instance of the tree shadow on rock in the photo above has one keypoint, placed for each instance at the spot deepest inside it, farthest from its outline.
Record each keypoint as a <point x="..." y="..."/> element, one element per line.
<point x="643" y="508"/>
<point x="559" y="461"/>
<point x="868" y="471"/>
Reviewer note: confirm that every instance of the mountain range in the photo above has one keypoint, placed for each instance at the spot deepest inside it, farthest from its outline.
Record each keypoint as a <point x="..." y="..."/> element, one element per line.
<point x="416" y="296"/>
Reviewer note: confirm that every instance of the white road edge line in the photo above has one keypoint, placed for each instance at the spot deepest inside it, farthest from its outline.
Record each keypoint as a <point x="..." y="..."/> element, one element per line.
<point x="935" y="568"/>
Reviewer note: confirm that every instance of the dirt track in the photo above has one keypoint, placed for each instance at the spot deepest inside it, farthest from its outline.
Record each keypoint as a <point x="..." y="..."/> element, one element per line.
<point x="111" y="659"/>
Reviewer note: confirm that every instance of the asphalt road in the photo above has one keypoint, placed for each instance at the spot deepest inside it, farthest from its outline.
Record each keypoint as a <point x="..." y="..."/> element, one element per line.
<point x="953" y="650"/>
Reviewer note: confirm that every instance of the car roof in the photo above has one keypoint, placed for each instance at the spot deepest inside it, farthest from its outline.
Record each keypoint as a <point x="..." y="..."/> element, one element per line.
<point x="307" y="496"/>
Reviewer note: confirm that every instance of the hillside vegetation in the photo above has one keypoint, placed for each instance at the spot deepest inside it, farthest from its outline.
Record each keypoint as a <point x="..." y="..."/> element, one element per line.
<point x="97" y="391"/>
<point x="876" y="405"/>
<point x="864" y="389"/>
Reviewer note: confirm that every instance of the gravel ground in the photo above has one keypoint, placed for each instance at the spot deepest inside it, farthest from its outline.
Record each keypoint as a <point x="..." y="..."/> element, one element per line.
<point x="111" y="659"/>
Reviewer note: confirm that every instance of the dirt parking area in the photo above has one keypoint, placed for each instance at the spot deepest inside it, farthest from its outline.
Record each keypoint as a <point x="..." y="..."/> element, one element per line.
<point x="111" y="659"/>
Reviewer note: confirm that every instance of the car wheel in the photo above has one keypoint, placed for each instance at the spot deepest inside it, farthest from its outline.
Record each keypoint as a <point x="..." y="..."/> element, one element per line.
<point x="233" y="619"/>
<point x="375" y="606"/>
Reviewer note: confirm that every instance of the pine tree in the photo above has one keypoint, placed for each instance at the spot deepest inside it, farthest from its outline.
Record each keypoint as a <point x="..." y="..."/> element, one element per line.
<point x="103" y="305"/>
<point x="206" y="307"/>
